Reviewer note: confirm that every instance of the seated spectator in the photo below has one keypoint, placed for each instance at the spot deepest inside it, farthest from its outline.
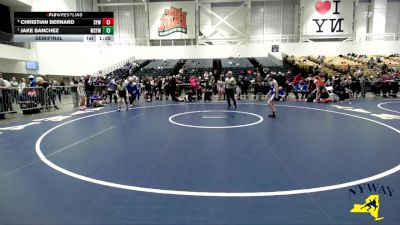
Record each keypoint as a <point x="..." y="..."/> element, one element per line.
<point x="297" y="79"/>
<point x="281" y="94"/>
<point x="324" y="96"/>
<point x="302" y="88"/>
<point x="97" y="100"/>
<point x="178" y="98"/>
<point x="189" y="96"/>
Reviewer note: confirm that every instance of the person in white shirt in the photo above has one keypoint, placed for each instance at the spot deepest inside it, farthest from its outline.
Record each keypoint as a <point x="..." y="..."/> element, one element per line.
<point x="221" y="89"/>
<point x="230" y="85"/>
<point x="21" y="86"/>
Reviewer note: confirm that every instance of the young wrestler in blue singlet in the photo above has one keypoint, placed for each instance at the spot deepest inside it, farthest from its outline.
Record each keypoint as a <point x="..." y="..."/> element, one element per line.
<point x="272" y="95"/>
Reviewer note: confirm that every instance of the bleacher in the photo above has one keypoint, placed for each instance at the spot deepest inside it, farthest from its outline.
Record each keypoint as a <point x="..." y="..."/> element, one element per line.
<point x="122" y="73"/>
<point x="197" y="67"/>
<point x="265" y="62"/>
<point x="158" y="67"/>
<point x="238" y="66"/>
<point x="271" y="66"/>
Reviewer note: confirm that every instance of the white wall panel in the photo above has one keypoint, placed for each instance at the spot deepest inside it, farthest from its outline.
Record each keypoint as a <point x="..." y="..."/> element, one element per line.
<point x="85" y="58"/>
<point x="362" y="18"/>
<point x="237" y="20"/>
<point x="392" y="17"/>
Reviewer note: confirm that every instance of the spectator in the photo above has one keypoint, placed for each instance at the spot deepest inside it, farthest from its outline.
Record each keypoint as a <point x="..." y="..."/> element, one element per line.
<point x="281" y="94"/>
<point x="57" y="89"/>
<point x="258" y="87"/>
<point x="132" y="90"/>
<point x="324" y="97"/>
<point x="111" y="87"/>
<point x="21" y="86"/>
<point x="221" y="89"/>
<point x="14" y="83"/>
<point x="49" y="97"/>
<point x="173" y="84"/>
<point x="74" y="92"/>
<point x="32" y="81"/>
<point x="208" y="91"/>
<point x="14" y="92"/>
<point x="206" y="75"/>
<point x="239" y="87"/>
<point x="167" y="87"/>
<point x="89" y="88"/>
<point x="82" y="94"/>
<point x="245" y="87"/>
<point x="148" y="88"/>
<point x="5" y="101"/>
<point x="97" y="101"/>
<point x="122" y="94"/>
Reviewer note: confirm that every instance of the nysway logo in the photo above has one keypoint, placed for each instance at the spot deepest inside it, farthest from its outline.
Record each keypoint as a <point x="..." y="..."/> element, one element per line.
<point x="173" y="20"/>
<point x="371" y="204"/>
<point x="371" y="188"/>
<point x="323" y="8"/>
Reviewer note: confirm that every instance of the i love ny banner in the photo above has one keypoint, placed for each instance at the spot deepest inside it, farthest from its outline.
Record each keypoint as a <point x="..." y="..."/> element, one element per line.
<point x="328" y="17"/>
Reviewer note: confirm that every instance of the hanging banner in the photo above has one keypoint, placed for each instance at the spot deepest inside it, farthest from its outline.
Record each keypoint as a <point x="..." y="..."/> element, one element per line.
<point x="172" y="20"/>
<point x="328" y="17"/>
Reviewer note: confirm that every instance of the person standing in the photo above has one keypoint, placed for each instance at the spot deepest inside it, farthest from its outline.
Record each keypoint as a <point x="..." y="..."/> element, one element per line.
<point x="82" y="94"/>
<point x="49" y="98"/>
<point x="5" y="103"/>
<point x="221" y="89"/>
<point x="112" y="86"/>
<point x="89" y="88"/>
<point x="230" y="85"/>
<point x="132" y="90"/>
<point x="173" y="88"/>
<point x="122" y="94"/>
<point x="74" y="92"/>
<point x="272" y="95"/>
<point x="14" y="86"/>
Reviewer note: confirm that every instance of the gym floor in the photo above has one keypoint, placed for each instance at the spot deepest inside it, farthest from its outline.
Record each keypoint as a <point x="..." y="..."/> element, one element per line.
<point x="201" y="163"/>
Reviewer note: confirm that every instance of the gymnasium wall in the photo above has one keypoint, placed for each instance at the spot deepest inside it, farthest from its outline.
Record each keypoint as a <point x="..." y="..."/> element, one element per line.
<point x="87" y="58"/>
<point x="83" y="58"/>
<point x="14" y="66"/>
<point x="12" y="59"/>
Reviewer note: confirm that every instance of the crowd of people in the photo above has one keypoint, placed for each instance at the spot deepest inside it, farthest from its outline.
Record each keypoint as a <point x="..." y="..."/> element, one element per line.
<point x="30" y="93"/>
<point x="97" y="91"/>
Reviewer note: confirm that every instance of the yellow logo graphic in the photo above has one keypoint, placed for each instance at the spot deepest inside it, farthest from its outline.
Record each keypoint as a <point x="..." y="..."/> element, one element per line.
<point x="371" y="206"/>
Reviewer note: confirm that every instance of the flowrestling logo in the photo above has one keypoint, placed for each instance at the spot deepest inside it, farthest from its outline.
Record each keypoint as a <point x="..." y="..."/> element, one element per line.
<point x="172" y="21"/>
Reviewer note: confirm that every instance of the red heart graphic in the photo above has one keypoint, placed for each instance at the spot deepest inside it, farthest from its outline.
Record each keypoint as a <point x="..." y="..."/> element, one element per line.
<point x="323" y="7"/>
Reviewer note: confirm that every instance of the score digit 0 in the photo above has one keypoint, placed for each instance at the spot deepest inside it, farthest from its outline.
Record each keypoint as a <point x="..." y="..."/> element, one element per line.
<point x="108" y="30"/>
<point x="108" y="21"/>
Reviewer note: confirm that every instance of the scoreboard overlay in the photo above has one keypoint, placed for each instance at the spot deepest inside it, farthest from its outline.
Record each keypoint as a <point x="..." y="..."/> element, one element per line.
<point x="64" y="26"/>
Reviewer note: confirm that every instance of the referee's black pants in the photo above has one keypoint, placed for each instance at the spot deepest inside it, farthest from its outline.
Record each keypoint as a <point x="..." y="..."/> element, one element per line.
<point x="230" y="95"/>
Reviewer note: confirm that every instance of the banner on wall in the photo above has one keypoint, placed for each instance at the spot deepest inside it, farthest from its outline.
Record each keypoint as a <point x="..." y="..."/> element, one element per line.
<point x="328" y="17"/>
<point x="172" y="20"/>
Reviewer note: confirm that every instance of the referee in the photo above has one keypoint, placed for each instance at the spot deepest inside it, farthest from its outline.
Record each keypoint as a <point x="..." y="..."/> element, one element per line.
<point x="230" y="84"/>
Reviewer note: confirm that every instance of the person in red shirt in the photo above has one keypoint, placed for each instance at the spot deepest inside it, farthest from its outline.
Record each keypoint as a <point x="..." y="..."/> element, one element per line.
<point x="297" y="79"/>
